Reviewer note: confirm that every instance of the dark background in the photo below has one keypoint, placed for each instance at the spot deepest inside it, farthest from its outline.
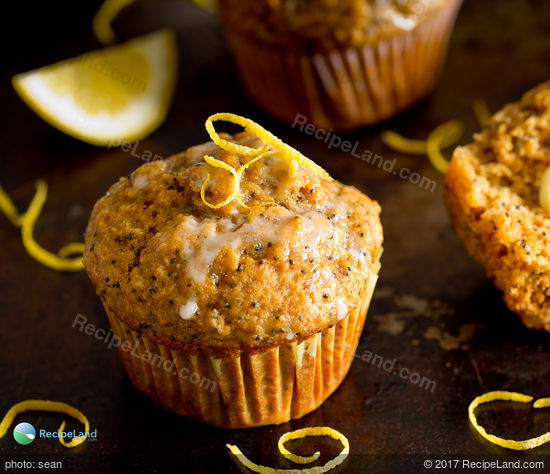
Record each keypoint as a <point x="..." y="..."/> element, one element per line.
<point x="499" y="49"/>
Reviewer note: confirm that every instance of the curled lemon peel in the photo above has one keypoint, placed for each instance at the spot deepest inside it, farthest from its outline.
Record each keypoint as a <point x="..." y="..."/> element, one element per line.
<point x="101" y="23"/>
<point x="481" y="111"/>
<point x="72" y="248"/>
<point x="544" y="190"/>
<point x="220" y="164"/>
<point x="287" y="152"/>
<point x="8" y="208"/>
<point x="240" y="172"/>
<point x="541" y="403"/>
<point x="413" y="146"/>
<point x="443" y="136"/>
<point x="27" y="222"/>
<point x="235" y="194"/>
<point x="513" y="397"/>
<point x="403" y="144"/>
<point x="301" y="433"/>
<point x="451" y="130"/>
<point x="47" y="405"/>
<point x="40" y="254"/>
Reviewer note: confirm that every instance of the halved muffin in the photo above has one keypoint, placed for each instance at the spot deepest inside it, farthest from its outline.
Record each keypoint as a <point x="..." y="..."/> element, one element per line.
<point x="492" y="194"/>
<point x="244" y="299"/>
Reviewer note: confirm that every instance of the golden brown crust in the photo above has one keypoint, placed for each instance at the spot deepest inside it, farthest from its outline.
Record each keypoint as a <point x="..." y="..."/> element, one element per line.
<point x="491" y="192"/>
<point x="227" y="280"/>
<point x="326" y="24"/>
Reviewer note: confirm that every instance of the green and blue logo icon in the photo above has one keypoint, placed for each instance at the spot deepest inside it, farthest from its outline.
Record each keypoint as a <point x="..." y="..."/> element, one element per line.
<point x="24" y="433"/>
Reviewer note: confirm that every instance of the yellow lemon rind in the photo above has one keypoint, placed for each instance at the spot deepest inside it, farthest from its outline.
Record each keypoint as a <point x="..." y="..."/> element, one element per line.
<point x="101" y="23"/>
<point x="481" y="111"/>
<point x="297" y="434"/>
<point x="451" y="130"/>
<point x="235" y="194"/>
<point x="27" y="222"/>
<point x="501" y="395"/>
<point x="287" y="152"/>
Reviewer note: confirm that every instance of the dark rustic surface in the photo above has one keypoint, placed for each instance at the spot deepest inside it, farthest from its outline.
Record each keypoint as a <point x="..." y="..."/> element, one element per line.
<point x="499" y="49"/>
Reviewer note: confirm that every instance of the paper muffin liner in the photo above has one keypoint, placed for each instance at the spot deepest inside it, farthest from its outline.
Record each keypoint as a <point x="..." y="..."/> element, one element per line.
<point x="269" y="387"/>
<point x="345" y="88"/>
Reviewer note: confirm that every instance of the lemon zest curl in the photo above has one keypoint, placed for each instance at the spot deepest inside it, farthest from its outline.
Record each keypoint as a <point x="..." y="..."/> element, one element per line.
<point x="8" y="208"/>
<point x="413" y="146"/>
<point x="513" y="397"/>
<point x="443" y="136"/>
<point x="279" y="148"/>
<point x="481" y="111"/>
<point x="452" y="131"/>
<point x="72" y="248"/>
<point x="297" y="434"/>
<point x="27" y="221"/>
<point x="287" y="152"/>
<point x="220" y="164"/>
<point x="235" y="194"/>
<point x="103" y="18"/>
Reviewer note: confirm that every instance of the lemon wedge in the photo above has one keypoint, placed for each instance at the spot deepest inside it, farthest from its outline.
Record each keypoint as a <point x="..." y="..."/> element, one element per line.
<point x="120" y="93"/>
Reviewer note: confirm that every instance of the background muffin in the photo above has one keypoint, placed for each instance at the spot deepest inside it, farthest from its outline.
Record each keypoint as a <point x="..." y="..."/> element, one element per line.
<point x="342" y="64"/>
<point x="492" y="194"/>
<point x="266" y="302"/>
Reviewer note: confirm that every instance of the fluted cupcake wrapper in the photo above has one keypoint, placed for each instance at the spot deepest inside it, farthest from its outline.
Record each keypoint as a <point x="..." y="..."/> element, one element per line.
<point x="345" y="88"/>
<point x="268" y="387"/>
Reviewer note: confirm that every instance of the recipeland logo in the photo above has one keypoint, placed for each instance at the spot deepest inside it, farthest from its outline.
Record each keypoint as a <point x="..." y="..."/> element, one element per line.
<point x="25" y="433"/>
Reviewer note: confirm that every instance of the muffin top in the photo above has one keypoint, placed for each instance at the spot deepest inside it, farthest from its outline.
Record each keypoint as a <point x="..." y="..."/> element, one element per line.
<point x="325" y="24"/>
<point x="221" y="280"/>
<point x="492" y="191"/>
